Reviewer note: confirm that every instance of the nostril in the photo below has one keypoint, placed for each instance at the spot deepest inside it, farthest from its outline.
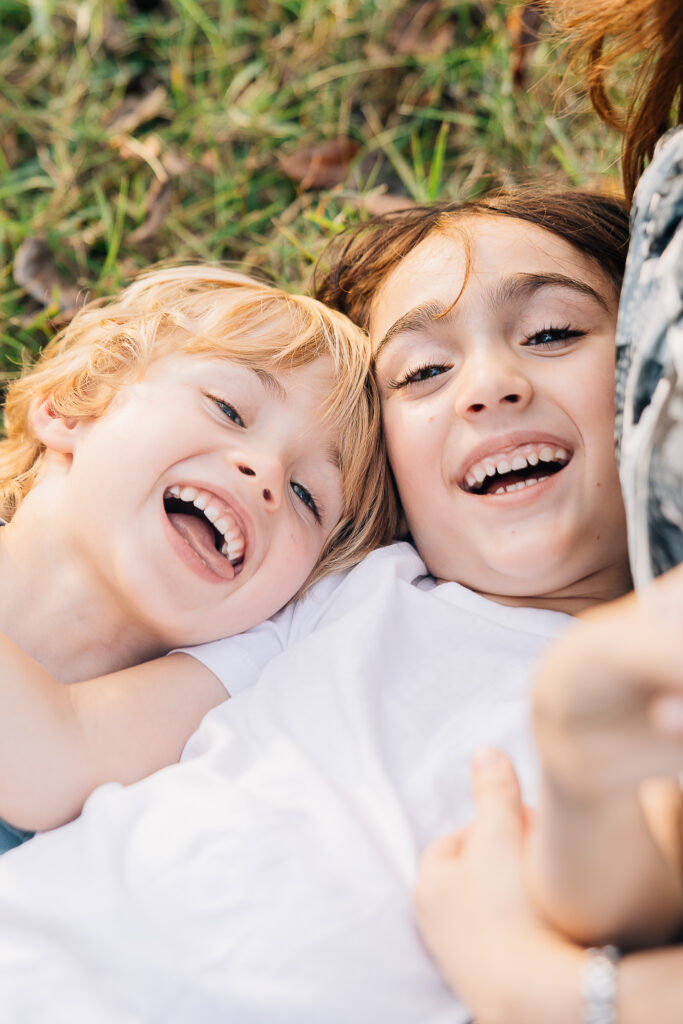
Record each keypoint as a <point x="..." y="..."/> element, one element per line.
<point x="512" y="399"/>
<point x="246" y="470"/>
<point x="267" y="496"/>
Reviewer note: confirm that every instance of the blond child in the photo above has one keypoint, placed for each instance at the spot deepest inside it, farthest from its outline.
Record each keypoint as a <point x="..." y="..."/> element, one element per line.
<point x="181" y="462"/>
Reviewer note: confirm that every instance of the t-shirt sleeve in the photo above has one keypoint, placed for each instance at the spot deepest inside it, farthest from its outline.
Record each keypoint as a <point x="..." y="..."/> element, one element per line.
<point x="238" y="661"/>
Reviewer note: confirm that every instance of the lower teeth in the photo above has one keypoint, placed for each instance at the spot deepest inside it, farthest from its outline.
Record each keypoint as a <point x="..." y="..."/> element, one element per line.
<point x="520" y="485"/>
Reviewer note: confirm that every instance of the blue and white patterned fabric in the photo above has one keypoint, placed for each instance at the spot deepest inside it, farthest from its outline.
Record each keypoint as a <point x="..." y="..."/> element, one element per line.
<point x="650" y="367"/>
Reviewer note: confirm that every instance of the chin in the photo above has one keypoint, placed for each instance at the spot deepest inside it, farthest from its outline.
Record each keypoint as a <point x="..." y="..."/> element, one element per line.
<point x="534" y="574"/>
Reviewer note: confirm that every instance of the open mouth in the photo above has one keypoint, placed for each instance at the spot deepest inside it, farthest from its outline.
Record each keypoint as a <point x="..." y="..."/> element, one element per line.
<point x="514" y="471"/>
<point x="207" y="525"/>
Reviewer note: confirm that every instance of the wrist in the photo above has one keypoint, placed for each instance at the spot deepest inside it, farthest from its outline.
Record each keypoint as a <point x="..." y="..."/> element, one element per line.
<point x="541" y="983"/>
<point x="599" y="985"/>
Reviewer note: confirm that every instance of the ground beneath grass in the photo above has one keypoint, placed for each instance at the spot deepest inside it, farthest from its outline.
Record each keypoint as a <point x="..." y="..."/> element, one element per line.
<point x="253" y="131"/>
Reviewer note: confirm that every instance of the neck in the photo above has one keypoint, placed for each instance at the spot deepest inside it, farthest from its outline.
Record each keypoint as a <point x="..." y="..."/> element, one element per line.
<point x="598" y="588"/>
<point x="54" y="611"/>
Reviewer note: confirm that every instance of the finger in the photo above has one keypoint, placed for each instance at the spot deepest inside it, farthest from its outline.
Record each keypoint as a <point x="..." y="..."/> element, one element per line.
<point x="495" y="786"/>
<point x="447" y="848"/>
<point x="664" y="596"/>
<point x="528" y="817"/>
<point x="666" y="715"/>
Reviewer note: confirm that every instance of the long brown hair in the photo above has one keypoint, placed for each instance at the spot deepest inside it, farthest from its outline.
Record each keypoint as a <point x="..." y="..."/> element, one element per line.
<point x="601" y="34"/>
<point x="359" y="260"/>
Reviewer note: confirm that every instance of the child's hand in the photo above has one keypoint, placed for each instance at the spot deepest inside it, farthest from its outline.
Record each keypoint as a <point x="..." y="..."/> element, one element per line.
<point x="476" y="919"/>
<point x="609" y="696"/>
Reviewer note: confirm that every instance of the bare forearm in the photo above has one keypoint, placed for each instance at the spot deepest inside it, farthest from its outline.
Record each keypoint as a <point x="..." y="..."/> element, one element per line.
<point x="58" y="742"/>
<point x="38" y="730"/>
<point x="598" y="874"/>
<point x="547" y="987"/>
<point x="650" y="987"/>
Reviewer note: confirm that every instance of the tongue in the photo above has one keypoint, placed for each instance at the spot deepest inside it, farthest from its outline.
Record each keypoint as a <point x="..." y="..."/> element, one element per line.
<point x="197" y="533"/>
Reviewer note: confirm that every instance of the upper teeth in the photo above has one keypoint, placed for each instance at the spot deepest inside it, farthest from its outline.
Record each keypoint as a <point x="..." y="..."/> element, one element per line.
<point x="221" y="518"/>
<point x="493" y="464"/>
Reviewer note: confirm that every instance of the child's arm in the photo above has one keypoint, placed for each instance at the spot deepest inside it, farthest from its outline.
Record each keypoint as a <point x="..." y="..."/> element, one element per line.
<point x="500" y="959"/>
<point x="605" y="858"/>
<point x="58" y="742"/>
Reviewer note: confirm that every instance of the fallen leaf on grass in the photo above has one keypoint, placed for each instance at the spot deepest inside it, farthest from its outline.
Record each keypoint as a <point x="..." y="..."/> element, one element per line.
<point x="175" y="163"/>
<point x="524" y="24"/>
<point x="9" y="145"/>
<point x="135" y="110"/>
<point x="323" y="165"/>
<point x="116" y="37"/>
<point x="376" y="204"/>
<point x="159" y="202"/>
<point x="35" y="270"/>
<point x="147" y="150"/>
<point x="413" y="34"/>
<point x="209" y="161"/>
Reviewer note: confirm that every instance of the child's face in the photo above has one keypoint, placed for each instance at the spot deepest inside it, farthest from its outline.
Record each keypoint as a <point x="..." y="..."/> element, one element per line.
<point x="204" y="496"/>
<point x="499" y="416"/>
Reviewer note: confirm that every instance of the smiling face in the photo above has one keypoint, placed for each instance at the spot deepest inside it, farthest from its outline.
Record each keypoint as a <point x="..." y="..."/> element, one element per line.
<point x="498" y="412"/>
<point x="202" y="499"/>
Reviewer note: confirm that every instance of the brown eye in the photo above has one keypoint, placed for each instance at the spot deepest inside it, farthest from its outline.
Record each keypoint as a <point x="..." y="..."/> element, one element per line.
<point x="419" y="374"/>
<point x="552" y="337"/>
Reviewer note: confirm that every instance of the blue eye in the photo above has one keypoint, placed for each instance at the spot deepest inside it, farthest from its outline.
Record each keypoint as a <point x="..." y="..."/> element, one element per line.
<point x="307" y="498"/>
<point x="552" y="337"/>
<point x="419" y="374"/>
<point x="229" y="410"/>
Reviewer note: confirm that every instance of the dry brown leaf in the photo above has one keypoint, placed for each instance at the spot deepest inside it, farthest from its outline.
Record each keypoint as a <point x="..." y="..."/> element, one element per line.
<point x="147" y="150"/>
<point x="412" y="34"/>
<point x="35" y="270"/>
<point x="175" y="163"/>
<point x="9" y="145"/>
<point x="159" y="202"/>
<point x="524" y="24"/>
<point x="209" y="161"/>
<point x="322" y="165"/>
<point x="376" y="204"/>
<point x="135" y="110"/>
<point x="116" y="38"/>
<point x="137" y="149"/>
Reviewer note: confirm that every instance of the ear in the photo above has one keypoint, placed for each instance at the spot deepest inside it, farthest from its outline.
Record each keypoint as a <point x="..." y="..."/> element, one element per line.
<point x="57" y="433"/>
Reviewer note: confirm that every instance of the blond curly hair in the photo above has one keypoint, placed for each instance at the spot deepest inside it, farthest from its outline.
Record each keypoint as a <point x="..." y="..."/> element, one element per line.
<point x="215" y="312"/>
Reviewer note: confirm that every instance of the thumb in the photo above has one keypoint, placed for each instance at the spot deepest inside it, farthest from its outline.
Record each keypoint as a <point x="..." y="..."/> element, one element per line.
<point x="495" y="788"/>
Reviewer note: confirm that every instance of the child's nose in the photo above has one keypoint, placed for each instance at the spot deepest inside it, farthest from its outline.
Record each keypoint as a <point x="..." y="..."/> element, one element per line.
<point x="267" y="476"/>
<point x="488" y="384"/>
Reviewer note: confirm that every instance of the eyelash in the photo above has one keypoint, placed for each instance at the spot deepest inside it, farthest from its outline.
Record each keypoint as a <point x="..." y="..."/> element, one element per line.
<point x="309" y="500"/>
<point x="413" y="376"/>
<point x="425" y="371"/>
<point x="302" y="493"/>
<point x="230" y="411"/>
<point x="561" y="334"/>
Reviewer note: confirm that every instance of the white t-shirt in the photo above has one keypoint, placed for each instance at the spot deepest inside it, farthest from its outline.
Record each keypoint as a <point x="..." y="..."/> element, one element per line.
<point x="267" y="878"/>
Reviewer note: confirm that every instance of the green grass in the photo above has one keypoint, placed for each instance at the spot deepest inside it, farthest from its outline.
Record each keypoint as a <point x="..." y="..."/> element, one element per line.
<point x="241" y="82"/>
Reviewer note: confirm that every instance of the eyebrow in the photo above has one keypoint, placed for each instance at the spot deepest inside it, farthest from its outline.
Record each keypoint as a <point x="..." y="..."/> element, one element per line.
<point x="333" y="456"/>
<point x="519" y="286"/>
<point x="413" y="321"/>
<point x="270" y="382"/>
